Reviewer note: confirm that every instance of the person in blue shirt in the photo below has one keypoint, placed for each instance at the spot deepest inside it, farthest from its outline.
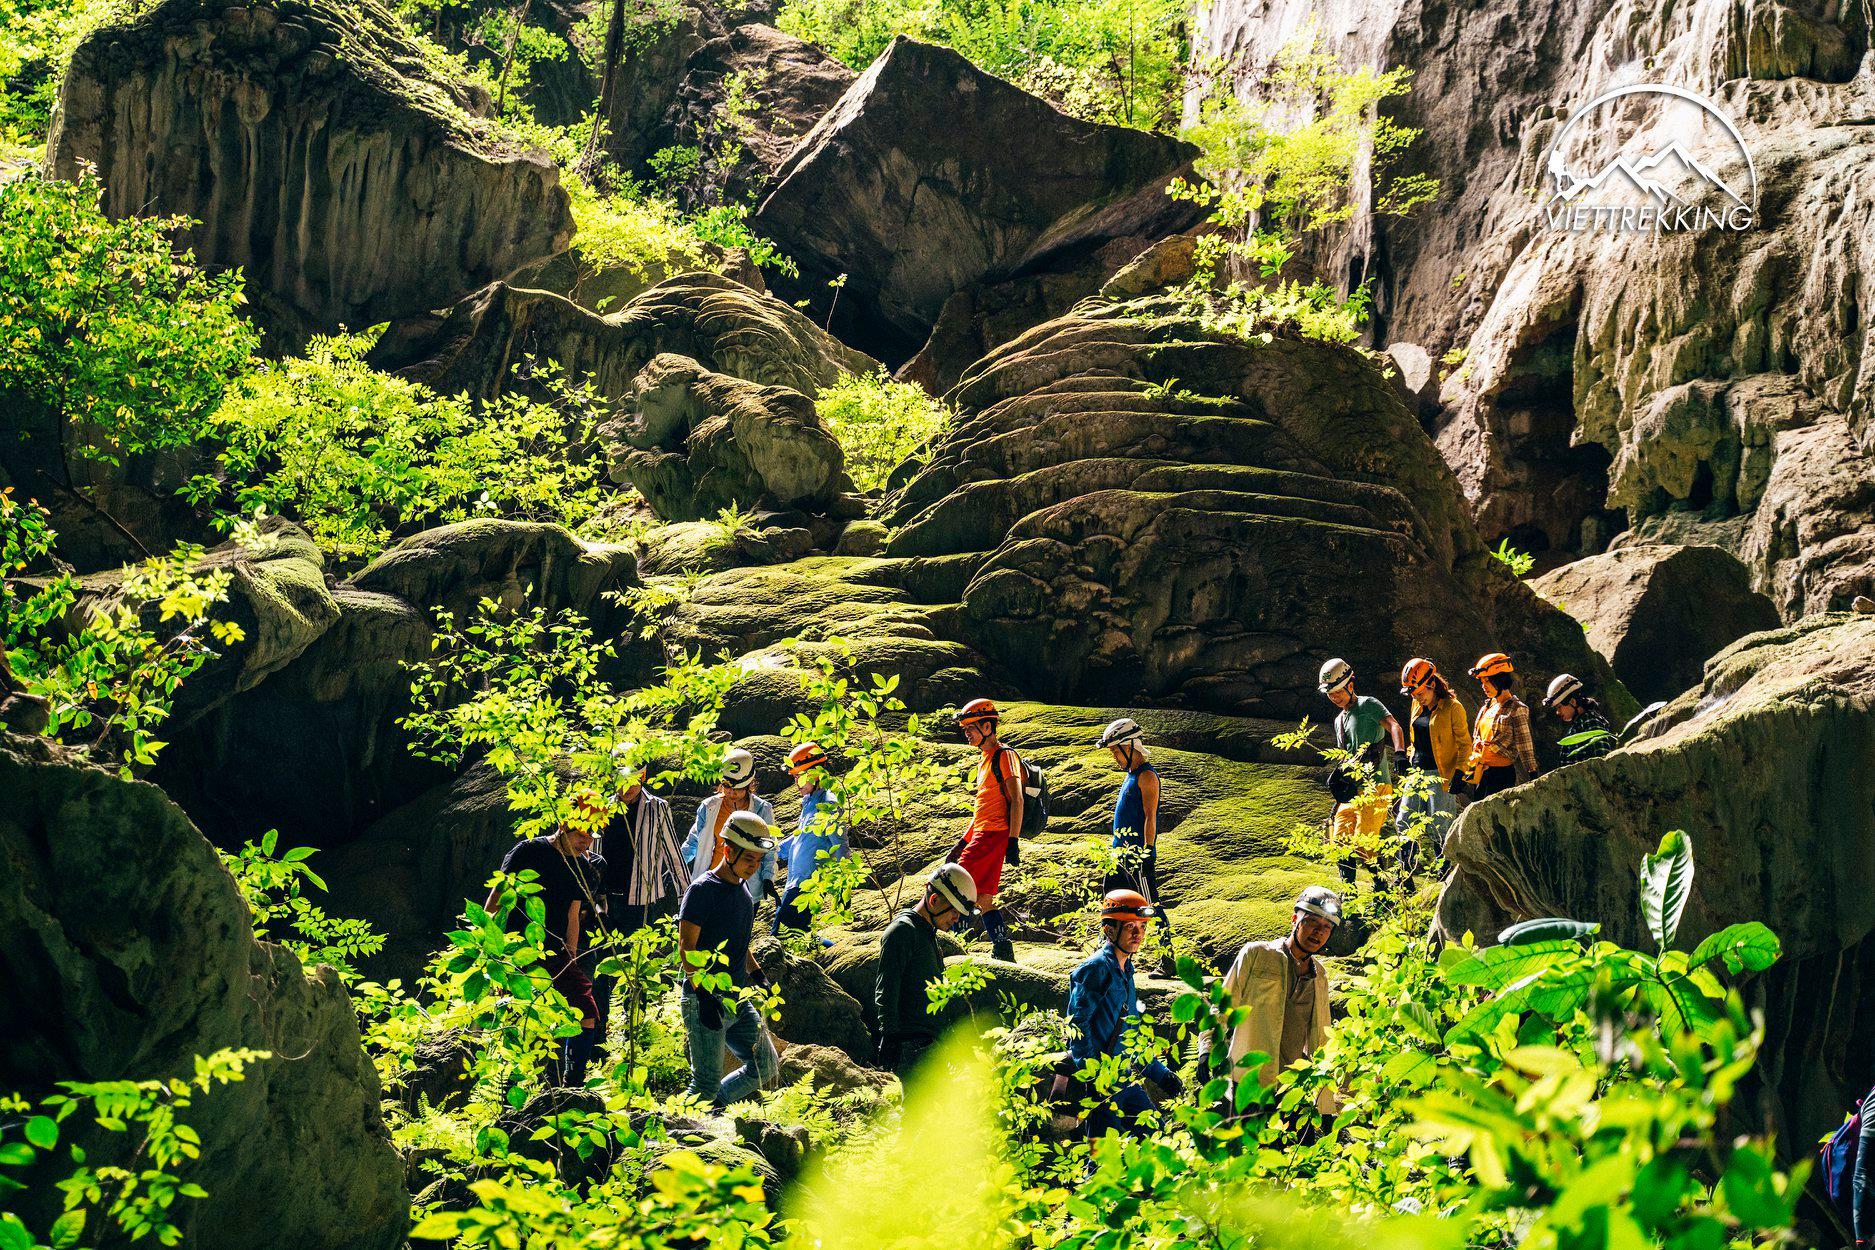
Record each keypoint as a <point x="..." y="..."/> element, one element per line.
<point x="1101" y="1008"/>
<point x="1136" y="826"/>
<point x="816" y="838"/>
<point x="735" y="792"/>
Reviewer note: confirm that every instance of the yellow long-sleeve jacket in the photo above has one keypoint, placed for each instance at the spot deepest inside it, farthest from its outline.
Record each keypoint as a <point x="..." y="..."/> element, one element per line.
<point x="1451" y="739"/>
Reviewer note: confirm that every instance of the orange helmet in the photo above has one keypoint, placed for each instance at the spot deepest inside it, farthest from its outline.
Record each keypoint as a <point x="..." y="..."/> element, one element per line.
<point x="1416" y="674"/>
<point x="805" y="756"/>
<point x="590" y="810"/>
<point x="977" y="710"/>
<point x="1126" y="905"/>
<point x="1493" y="665"/>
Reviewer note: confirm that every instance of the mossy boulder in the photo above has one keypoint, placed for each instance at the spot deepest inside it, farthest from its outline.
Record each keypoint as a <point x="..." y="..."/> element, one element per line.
<point x="385" y="194"/>
<point x="1766" y="765"/>
<point x="1171" y="514"/>
<point x="126" y="952"/>
<point x="814" y="1008"/>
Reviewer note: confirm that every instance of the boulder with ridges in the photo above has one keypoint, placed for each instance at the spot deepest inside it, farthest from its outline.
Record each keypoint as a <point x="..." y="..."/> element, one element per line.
<point x="1765" y="764"/>
<point x="912" y="212"/>
<point x="127" y="952"/>
<point x="315" y="148"/>
<point x="1657" y="613"/>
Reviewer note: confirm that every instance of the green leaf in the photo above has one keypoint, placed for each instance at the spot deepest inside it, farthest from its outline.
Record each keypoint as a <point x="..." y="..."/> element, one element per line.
<point x="42" y="1131"/>
<point x="1748" y="947"/>
<point x="13" y="1234"/>
<point x="297" y="854"/>
<point x="1666" y="884"/>
<point x="66" y="1230"/>
<point x="438" y="1226"/>
<point x="1750" y="1185"/>
<point x="1495" y="967"/>
<point x="16" y="1154"/>
<point x="1547" y="929"/>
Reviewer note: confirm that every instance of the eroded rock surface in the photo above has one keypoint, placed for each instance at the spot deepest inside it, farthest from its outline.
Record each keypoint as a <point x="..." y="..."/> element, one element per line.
<point x="317" y="151"/>
<point x="1765" y="764"/>
<point x="1657" y="613"/>
<point x="128" y="952"/>
<point x="913" y="211"/>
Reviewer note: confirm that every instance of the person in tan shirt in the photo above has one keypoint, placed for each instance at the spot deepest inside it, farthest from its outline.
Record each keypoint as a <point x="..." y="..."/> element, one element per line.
<point x="1284" y="988"/>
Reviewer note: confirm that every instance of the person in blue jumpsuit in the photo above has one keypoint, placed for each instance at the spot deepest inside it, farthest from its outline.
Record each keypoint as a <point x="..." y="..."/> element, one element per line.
<point x="1136" y="826"/>
<point x="1102" y="1005"/>
<point x="816" y="838"/>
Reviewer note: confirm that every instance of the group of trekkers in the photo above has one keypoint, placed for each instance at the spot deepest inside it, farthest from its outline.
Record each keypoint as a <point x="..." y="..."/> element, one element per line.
<point x="619" y="867"/>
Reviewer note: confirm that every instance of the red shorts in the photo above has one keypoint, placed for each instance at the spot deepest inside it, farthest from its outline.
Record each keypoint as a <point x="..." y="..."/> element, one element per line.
<point x="982" y="857"/>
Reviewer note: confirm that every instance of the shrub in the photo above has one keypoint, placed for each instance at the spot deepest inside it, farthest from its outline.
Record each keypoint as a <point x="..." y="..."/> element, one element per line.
<point x="880" y="423"/>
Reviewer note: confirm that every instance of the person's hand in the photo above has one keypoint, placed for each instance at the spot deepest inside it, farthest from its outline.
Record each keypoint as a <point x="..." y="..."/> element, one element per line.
<point x="1013" y="854"/>
<point x="709" y="1010"/>
<point x="587" y="1022"/>
<point x="1400" y="762"/>
<point x="1458" y="786"/>
<point x="1058" y="1088"/>
<point x="1174" y="1083"/>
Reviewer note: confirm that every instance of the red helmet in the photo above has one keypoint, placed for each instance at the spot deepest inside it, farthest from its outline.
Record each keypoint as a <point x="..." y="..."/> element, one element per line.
<point x="805" y="756"/>
<point x="1416" y="674"/>
<point x="1493" y="665"/>
<point x="1126" y="905"/>
<point x="978" y="710"/>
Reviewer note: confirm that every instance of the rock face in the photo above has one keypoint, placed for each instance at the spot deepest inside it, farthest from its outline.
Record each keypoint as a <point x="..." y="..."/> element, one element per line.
<point x="127" y="952"/>
<point x="1149" y="510"/>
<point x="1699" y="386"/>
<point x="1765" y="764"/>
<point x="1657" y="613"/>
<point x="315" y="149"/>
<point x="913" y="212"/>
<point x="314" y="750"/>
<point x="476" y="346"/>
<point x="703" y="441"/>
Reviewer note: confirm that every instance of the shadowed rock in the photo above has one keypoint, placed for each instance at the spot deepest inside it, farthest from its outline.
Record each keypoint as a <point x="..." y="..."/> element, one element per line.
<point x="317" y="151"/>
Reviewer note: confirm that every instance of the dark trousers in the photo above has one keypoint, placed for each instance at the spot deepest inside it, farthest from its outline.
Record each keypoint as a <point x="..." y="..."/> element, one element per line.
<point x="1145" y="879"/>
<point x="1494" y="779"/>
<point x="789" y="914"/>
<point x="576" y="1051"/>
<point x="1121" y="1111"/>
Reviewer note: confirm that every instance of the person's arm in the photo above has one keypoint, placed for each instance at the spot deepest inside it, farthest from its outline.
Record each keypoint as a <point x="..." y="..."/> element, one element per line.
<point x="888" y="992"/>
<point x="1012" y="789"/>
<point x="572" y="930"/>
<point x="1523" y="745"/>
<point x="688" y="934"/>
<point x="695" y="840"/>
<point x="1085" y="1003"/>
<point x="1862" y="1191"/>
<point x="1149" y="802"/>
<point x="1393" y="731"/>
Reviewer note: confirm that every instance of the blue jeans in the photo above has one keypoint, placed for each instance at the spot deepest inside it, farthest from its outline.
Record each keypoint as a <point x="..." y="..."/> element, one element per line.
<point x="1432" y="810"/>
<point x="747" y="1041"/>
<point x="788" y="914"/>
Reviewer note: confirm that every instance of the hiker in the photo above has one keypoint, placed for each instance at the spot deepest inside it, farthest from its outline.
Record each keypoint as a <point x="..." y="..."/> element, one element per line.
<point x="718" y="914"/>
<point x="1365" y="729"/>
<point x="1283" y="987"/>
<point x="987" y="843"/>
<point x="909" y="960"/>
<point x="644" y="869"/>
<point x="572" y="890"/>
<point x="1102" y="1005"/>
<point x="1136" y="825"/>
<point x="1502" y="752"/>
<point x="1437" y="746"/>
<point x="735" y="792"/>
<point x="1580" y="714"/>
<point x="817" y="836"/>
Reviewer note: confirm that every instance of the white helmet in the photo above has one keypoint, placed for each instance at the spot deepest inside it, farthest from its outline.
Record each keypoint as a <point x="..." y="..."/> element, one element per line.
<point x="1320" y="901"/>
<point x="622" y="761"/>
<point x="738" y="767"/>
<point x="1335" y="674"/>
<point x="1122" y="732"/>
<point x="748" y="831"/>
<point x="1564" y="688"/>
<point x="954" y="884"/>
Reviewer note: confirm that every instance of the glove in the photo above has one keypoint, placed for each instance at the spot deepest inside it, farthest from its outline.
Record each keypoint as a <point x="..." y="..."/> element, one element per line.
<point x="709" y="1010"/>
<point x="1459" y="785"/>
<point x="771" y="889"/>
<point x="1173" y="1083"/>
<point x="1400" y="763"/>
<point x="1013" y="854"/>
<point x="758" y="977"/>
<point x="889" y="1048"/>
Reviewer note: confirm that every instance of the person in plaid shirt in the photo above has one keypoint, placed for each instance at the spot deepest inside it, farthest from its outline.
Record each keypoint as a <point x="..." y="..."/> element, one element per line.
<point x="1503" y="753"/>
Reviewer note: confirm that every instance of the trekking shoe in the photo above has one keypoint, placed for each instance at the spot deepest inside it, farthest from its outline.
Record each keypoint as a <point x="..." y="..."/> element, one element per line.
<point x="1005" y="951"/>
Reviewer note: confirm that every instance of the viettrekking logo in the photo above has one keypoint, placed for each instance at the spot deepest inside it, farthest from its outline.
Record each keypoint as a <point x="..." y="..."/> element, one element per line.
<point x="1653" y="181"/>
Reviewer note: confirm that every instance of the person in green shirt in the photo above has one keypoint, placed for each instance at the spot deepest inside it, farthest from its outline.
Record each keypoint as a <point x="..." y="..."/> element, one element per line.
<point x="1365" y="729"/>
<point x="909" y="960"/>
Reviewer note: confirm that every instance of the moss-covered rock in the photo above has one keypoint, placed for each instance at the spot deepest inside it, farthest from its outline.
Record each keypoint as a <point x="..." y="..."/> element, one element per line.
<point x="384" y="194"/>
<point x="125" y="952"/>
<point x="1766" y="765"/>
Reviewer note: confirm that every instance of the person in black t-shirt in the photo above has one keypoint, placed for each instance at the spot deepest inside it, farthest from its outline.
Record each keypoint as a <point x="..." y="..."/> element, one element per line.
<point x="718" y="915"/>
<point x="571" y="895"/>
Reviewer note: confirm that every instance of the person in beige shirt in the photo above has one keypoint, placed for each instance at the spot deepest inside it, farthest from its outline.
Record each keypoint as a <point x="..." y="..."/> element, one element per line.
<point x="1284" y="988"/>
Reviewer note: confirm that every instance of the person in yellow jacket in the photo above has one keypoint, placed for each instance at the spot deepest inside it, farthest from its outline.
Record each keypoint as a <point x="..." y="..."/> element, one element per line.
<point x="1503" y="754"/>
<point x="1437" y="746"/>
<point x="1283" y="987"/>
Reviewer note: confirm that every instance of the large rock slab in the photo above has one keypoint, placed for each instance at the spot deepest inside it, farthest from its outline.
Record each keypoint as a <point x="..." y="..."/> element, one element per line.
<point x="1766" y="765"/>
<point x="315" y="149"/>
<point x="931" y="176"/>
<point x="477" y="345"/>
<point x="701" y="441"/>
<point x="127" y="952"/>
<point x="1657" y="613"/>
<point x="1152" y="510"/>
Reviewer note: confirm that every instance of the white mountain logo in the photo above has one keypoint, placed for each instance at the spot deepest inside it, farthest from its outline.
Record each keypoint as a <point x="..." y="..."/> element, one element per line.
<point x="1667" y="189"/>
